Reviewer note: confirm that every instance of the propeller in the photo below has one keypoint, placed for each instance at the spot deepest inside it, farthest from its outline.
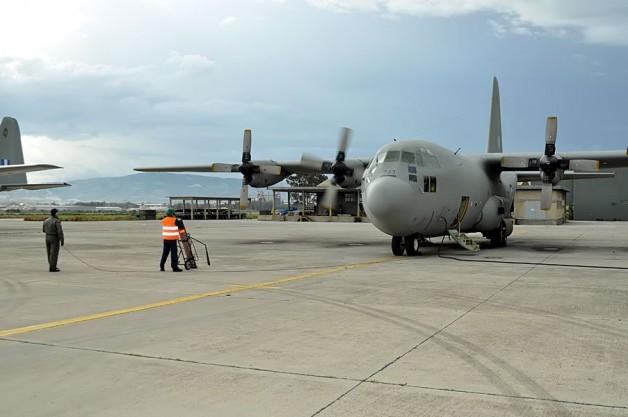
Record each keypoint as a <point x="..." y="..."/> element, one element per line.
<point x="246" y="168"/>
<point x="551" y="166"/>
<point x="338" y="168"/>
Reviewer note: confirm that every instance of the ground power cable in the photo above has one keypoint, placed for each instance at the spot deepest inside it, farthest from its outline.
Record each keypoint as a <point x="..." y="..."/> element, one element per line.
<point x="318" y="266"/>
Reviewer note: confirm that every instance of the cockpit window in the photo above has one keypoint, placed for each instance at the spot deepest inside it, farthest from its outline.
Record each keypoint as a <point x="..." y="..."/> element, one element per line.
<point x="396" y="156"/>
<point x="426" y="158"/>
<point x="392" y="156"/>
<point x="418" y="159"/>
<point x="407" y="157"/>
<point x="380" y="158"/>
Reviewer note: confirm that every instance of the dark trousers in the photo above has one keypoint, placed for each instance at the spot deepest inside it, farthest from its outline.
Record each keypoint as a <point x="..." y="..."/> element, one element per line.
<point x="52" y="249"/>
<point x="170" y="248"/>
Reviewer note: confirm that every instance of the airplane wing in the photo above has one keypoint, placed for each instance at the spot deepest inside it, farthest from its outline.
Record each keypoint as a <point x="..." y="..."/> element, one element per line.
<point x="21" y="168"/>
<point x="523" y="176"/>
<point x="272" y="167"/>
<point x="250" y="167"/>
<point x="177" y="168"/>
<point x="497" y="162"/>
<point x="43" y="186"/>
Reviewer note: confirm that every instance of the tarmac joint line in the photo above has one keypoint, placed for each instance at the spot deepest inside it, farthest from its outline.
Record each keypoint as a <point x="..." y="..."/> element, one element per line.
<point x="179" y="300"/>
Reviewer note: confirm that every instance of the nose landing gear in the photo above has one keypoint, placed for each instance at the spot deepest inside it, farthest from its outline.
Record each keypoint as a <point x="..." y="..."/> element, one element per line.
<point x="409" y="244"/>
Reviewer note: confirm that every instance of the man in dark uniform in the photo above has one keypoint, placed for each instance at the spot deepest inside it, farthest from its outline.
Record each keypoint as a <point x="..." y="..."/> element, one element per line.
<point x="54" y="237"/>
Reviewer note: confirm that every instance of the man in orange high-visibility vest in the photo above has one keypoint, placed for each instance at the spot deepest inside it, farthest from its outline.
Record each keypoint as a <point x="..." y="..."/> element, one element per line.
<point x="170" y="233"/>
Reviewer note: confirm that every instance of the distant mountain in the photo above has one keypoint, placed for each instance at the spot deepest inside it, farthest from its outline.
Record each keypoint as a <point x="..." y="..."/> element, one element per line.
<point x="142" y="187"/>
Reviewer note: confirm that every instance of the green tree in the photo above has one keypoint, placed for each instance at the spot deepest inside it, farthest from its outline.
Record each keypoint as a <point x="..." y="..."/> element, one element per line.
<point x="304" y="180"/>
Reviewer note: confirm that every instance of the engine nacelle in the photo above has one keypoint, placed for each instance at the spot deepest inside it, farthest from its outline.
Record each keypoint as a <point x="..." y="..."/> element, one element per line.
<point x="265" y="180"/>
<point x="355" y="179"/>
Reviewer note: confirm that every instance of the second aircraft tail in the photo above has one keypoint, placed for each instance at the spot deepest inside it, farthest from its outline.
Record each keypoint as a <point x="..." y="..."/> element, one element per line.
<point x="495" y="123"/>
<point x="11" y="149"/>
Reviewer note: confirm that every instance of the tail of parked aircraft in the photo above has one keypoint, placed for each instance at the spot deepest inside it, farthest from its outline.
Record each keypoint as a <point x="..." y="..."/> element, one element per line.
<point x="12" y="167"/>
<point x="11" y="150"/>
<point x="495" y="123"/>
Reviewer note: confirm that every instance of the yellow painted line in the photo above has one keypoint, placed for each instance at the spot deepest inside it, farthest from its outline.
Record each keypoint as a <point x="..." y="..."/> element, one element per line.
<point x="43" y="326"/>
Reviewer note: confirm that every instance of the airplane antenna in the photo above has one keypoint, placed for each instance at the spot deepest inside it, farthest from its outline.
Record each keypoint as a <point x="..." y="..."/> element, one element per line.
<point x="456" y="153"/>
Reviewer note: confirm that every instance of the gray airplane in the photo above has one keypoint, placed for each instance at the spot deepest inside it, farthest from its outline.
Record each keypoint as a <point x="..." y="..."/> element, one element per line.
<point x="413" y="190"/>
<point x="12" y="167"/>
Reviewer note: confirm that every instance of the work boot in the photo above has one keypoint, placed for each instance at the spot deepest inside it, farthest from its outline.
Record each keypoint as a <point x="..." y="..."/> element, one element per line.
<point x="55" y="270"/>
<point x="161" y="268"/>
<point x="177" y="270"/>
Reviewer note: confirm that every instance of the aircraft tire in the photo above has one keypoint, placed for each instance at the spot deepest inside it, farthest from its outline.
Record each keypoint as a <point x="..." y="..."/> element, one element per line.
<point x="503" y="237"/>
<point x="397" y="245"/>
<point x="412" y="245"/>
<point x="498" y="236"/>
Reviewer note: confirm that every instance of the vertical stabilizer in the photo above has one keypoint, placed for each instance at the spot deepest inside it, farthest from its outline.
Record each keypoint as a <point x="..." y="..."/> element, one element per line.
<point x="11" y="150"/>
<point x="495" y="123"/>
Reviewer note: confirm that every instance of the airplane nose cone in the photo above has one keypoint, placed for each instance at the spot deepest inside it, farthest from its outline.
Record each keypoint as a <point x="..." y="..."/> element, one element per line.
<point x="388" y="197"/>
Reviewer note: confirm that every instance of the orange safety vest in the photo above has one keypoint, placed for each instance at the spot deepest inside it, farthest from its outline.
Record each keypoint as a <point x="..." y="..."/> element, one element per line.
<point x="170" y="231"/>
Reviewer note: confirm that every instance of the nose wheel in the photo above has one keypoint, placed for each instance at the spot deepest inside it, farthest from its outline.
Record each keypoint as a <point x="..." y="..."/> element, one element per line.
<point x="409" y="244"/>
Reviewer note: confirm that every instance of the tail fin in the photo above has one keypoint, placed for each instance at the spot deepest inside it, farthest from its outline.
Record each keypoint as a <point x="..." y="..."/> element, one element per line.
<point x="11" y="149"/>
<point x="495" y="123"/>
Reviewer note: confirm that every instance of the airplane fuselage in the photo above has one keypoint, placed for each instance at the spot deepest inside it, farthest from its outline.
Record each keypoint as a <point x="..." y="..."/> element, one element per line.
<point x="421" y="188"/>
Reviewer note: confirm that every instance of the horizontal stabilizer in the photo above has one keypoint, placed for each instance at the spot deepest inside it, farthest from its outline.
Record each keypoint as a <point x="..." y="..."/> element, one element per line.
<point x="22" y="168"/>
<point x="43" y="186"/>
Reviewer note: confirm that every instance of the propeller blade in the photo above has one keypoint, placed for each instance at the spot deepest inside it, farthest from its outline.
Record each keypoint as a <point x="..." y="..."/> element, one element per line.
<point x="514" y="162"/>
<point x="312" y="162"/>
<point x="329" y="198"/>
<point x="244" y="195"/>
<point x="344" y="142"/>
<point x="218" y="167"/>
<point x="546" y="196"/>
<point x="586" y="165"/>
<point x="551" y="129"/>
<point x="246" y="146"/>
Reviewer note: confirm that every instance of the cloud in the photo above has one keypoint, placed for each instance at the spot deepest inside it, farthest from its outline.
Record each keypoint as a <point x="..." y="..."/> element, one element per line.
<point x="92" y="157"/>
<point x="31" y="27"/>
<point x="188" y="76"/>
<point x="191" y="65"/>
<point x="605" y="22"/>
<point x="228" y="21"/>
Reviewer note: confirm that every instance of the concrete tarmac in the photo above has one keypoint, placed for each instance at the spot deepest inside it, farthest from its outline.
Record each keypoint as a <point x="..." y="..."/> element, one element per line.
<point x="313" y="319"/>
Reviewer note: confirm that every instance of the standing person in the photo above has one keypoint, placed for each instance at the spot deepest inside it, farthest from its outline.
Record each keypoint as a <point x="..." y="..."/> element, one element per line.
<point x="54" y="237"/>
<point x="170" y="233"/>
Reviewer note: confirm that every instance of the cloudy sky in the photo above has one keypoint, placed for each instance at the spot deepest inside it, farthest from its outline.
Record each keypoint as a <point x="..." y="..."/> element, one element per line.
<point x="100" y="87"/>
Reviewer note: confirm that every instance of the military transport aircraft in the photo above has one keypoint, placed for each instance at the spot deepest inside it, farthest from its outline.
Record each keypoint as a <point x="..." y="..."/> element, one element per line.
<point x="413" y="189"/>
<point x="12" y="168"/>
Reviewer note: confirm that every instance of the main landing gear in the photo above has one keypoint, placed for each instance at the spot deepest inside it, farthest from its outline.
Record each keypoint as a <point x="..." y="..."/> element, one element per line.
<point x="499" y="236"/>
<point x="409" y="244"/>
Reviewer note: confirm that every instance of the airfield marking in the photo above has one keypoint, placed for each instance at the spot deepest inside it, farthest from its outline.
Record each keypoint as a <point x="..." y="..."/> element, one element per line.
<point x="237" y="288"/>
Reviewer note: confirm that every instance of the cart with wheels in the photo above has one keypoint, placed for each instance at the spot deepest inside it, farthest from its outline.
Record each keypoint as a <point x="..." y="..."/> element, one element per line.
<point x="188" y="256"/>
